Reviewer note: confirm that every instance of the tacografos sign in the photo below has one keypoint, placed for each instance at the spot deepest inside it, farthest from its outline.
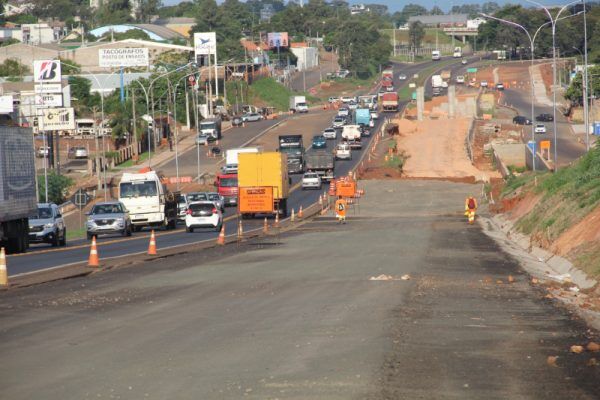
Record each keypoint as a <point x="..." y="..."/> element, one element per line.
<point x="126" y="57"/>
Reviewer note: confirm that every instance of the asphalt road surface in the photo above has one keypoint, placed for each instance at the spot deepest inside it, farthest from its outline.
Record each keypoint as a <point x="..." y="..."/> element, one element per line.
<point x="299" y="318"/>
<point x="568" y="148"/>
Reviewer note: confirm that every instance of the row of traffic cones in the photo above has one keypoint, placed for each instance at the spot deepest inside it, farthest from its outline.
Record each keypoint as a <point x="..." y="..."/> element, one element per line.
<point x="94" y="259"/>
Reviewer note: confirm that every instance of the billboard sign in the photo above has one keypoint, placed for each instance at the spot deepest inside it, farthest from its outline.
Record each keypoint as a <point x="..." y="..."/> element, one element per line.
<point x="6" y="104"/>
<point x="256" y="199"/>
<point x="48" y="88"/>
<point x="58" y="119"/>
<point x="47" y="71"/>
<point x="345" y="188"/>
<point x="49" y="100"/>
<point x="205" y="43"/>
<point x="125" y="57"/>
<point x="278" y="39"/>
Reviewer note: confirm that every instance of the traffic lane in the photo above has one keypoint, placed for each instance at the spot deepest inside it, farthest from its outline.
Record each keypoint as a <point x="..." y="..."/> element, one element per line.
<point x="568" y="148"/>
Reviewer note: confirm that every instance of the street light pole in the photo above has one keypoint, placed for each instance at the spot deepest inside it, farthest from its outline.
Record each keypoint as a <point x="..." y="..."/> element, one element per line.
<point x="586" y="86"/>
<point x="586" y="120"/>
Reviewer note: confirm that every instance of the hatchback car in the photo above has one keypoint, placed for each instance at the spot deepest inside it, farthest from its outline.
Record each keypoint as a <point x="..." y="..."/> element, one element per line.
<point x="338" y="122"/>
<point x="330" y="133"/>
<point x="203" y="214"/>
<point x="252" y="117"/>
<point x="319" y="142"/>
<point x="108" y="218"/>
<point x="353" y="105"/>
<point x="545" y="117"/>
<point x="311" y="180"/>
<point x="217" y="199"/>
<point x="540" y="128"/>
<point x="77" y="152"/>
<point x="521" y="120"/>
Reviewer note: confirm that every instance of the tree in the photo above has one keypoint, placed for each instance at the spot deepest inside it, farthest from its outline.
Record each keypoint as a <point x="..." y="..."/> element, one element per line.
<point x="58" y="187"/>
<point x="13" y="67"/>
<point x="435" y="10"/>
<point x="114" y="12"/>
<point x="410" y="10"/>
<point x="416" y="33"/>
<point x="489" y="7"/>
<point x="146" y="9"/>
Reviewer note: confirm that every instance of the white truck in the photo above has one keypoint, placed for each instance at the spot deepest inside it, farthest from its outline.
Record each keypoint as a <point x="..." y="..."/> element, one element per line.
<point x="231" y="158"/>
<point x="18" y="192"/>
<point x="148" y="201"/>
<point x="457" y="52"/>
<point x="298" y="104"/>
<point x="351" y="134"/>
<point x="436" y="55"/>
<point x="436" y="81"/>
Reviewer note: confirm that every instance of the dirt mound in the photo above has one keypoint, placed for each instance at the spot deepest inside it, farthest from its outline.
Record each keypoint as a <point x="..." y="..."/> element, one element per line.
<point x="584" y="231"/>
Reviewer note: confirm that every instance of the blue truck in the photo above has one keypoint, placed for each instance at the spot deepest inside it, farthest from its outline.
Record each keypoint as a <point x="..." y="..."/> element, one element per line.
<point x="363" y="117"/>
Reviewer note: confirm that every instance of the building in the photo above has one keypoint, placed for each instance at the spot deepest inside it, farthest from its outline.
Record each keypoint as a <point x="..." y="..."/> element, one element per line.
<point x="358" y="9"/>
<point x="38" y="34"/>
<point x="156" y="32"/>
<point x="445" y="20"/>
<point x="307" y="57"/>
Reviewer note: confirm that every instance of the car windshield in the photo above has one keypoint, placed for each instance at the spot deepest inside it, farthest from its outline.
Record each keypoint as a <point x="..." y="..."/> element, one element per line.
<point x="228" y="182"/>
<point x="318" y="137"/>
<point x="138" y="189"/>
<point x="311" y="176"/>
<point x="42" y="213"/>
<point x="107" y="209"/>
<point x="197" y="197"/>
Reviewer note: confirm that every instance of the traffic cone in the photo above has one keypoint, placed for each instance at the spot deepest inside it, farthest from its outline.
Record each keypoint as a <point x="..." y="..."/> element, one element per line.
<point x="300" y="213"/>
<point x="277" y="220"/>
<point x="152" y="245"/>
<point x="93" y="261"/>
<point x="221" y="238"/>
<point x="266" y="226"/>
<point x="3" y="272"/>
<point x="321" y="201"/>
<point x="240" y="230"/>
<point x="293" y="216"/>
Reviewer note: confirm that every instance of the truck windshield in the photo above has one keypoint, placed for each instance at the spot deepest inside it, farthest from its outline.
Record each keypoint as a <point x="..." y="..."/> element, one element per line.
<point x="207" y="125"/>
<point x="138" y="189"/>
<point x="42" y="213"/>
<point x="228" y="182"/>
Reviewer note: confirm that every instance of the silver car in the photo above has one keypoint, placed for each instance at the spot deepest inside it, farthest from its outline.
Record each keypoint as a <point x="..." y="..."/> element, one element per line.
<point x="182" y="207"/>
<point x="202" y="140"/>
<point x="217" y="199"/>
<point x="108" y="218"/>
<point x="252" y="117"/>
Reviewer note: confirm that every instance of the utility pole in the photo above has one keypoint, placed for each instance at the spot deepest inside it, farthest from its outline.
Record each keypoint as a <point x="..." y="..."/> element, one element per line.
<point x="134" y="128"/>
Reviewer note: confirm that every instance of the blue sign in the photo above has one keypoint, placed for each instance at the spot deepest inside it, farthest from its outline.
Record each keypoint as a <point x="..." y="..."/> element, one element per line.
<point x="532" y="145"/>
<point x="596" y="128"/>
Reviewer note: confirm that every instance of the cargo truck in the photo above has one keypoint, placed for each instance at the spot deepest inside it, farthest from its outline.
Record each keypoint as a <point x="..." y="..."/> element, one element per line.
<point x="231" y="158"/>
<point x="298" y="104"/>
<point x="363" y="117"/>
<point x="389" y="102"/>
<point x="436" y="55"/>
<point x="321" y="162"/>
<point x="457" y="52"/>
<point x="211" y="127"/>
<point x="351" y="134"/>
<point x="436" y="81"/>
<point x="259" y="175"/>
<point x="18" y="192"/>
<point x="148" y="201"/>
<point x="387" y="85"/>
<point x="293" y="146"/>
<point x="387" y="73"/>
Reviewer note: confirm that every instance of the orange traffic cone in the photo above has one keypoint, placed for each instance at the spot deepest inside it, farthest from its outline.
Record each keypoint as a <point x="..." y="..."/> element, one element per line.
<point x="266" y="226"/>
<point x="152" y="245"/>
<point x="3" y="272"/>
<point x="221" y="238"/>
<point x="93" y="261"/>
<point x="300" y="213"/>
<point x="277" y="220"/>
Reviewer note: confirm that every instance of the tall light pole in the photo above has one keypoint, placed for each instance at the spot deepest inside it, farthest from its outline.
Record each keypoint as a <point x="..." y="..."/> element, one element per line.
<point x="586" y="111"/>
<point x="553" y="21"/>
<point x="586" y="117"/>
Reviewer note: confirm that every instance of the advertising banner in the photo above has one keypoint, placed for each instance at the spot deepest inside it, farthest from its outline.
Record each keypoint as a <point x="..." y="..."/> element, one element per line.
<point x="6" y="104"/>
<point x="126" y="57"/>
<point x="205" y="43"/>
<point x="49" y="100"/>
<point x="256" y="199"/>
<point x="48" y="88"/>
<point x="278" y="39"/>
<point x="46" y="71"/>
<point x="58" y="119"/>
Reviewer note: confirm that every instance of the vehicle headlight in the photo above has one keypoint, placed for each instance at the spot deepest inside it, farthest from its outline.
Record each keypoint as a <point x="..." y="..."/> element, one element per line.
<point x="120" y="220"/>
<point x="49" y="226"/>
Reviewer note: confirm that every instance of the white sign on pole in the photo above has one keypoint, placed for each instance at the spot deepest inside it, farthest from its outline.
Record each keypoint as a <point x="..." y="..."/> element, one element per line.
<point x="49" y="100"/>
<point x="6" y="104"/>
<point x="58" y="119"/>
<point x="125" y="57"/>
<point x="47" y="71"/>
<point x="205" y="43"/>
<point x="48" y="88"/>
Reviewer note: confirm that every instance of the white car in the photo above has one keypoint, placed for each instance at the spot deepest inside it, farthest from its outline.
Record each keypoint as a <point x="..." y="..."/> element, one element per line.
<point x="343" y="152"/>
<point x="540" y="128"/>
<point x="203" y="214"/>
<point x="464" y="61"/>
<point x="460" y="79"/>
<point x="374" y="115"/>
<point x="483" y="84"/>
<point x="338" y="122"/>
<point x="330" y="133"/>
<point x="348" y="99"/>
<point x="353" y="105"/>
<point x="402" y="77"/>
<point x="333" y="99"/>
<point x="311" y="180"/>
<point x="343" y="112"/>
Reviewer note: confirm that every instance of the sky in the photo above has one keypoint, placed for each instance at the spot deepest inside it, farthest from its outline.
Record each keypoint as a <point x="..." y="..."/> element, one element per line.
<point x="397" y="5"/>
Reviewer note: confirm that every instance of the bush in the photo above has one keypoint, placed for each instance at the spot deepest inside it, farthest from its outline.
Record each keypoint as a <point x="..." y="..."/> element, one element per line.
<point x="58" y="187"/>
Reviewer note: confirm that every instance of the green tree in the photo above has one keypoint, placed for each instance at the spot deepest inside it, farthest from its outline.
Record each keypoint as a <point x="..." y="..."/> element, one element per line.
<point x="114" y="12"/>
<point x="435" y="10"/>
<point x="409" y="10"/>
<point x="416" y="33"/>
<point x="58" y="187"/>
<point x="146" y="9"/>
<point x="13" y="67"/>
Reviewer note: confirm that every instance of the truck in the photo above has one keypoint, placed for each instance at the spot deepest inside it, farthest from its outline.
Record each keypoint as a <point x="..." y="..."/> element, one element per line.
<point x="436" y="81"/>
<point x="436" y="55"/>
<point x="18" y="192"/>
<point x="259" y="173"/>
<point x="351" y="134"/>
<point x="388" y="73"/>
<point x="363" y="117"/>
<point x="226" y="185"/>
<point x="211" y="127"/>
<point x="457" y="52"/>
<point x="389" y="102"/>
<point x="321" y="162"/>
<point x="446" y="74"/>
<point x="293" y="146"/>
<point x="366" y="101"/>
<point x="231" y="158"/>
<point x="298" y="104"/>
<point x="148" y="201"/>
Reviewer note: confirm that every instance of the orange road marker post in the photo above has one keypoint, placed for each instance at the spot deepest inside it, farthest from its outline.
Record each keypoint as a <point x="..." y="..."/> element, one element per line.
<point x="93" y="260"/>
<point x="152" y="245"/>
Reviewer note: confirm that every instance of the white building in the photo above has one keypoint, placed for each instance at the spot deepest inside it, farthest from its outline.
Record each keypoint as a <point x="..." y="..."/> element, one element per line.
<point x="35" y="34"/>
<point x="474" y="23"/>
<point x="308" y="57"/>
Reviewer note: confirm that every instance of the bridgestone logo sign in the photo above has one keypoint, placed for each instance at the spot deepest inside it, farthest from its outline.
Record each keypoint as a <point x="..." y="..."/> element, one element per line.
<point x="129" y="57"/>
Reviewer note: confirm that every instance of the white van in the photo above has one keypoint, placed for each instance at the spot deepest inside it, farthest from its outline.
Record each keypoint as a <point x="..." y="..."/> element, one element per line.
<point x="436" y="55"/>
